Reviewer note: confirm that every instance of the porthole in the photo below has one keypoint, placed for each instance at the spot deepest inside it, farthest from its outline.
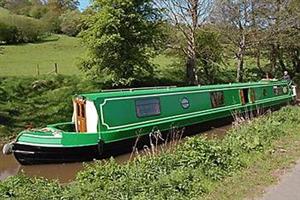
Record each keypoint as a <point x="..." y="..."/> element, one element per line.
<point x="185" y="103"/>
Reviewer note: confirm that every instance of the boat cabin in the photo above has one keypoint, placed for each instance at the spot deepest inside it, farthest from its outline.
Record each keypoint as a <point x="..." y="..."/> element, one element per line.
<point x="127" y="110"/>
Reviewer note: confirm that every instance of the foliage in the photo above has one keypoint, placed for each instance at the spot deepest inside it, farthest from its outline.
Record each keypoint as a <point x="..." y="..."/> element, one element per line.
<point x="186" y="17"/>
<point x="49" y="12"/>
<point x="209" y="55"/>
<point x="36" y="102"/>
<point x="120" y="36"/>
<point x="187" y="172"/>
<point x="8" y="33"/>
<point x="20" y="29"/>
<point x="52" y="20"/>
<point x="24" y="188"/>
<point x="64" y="4"/>
<point x="70" y="23"/>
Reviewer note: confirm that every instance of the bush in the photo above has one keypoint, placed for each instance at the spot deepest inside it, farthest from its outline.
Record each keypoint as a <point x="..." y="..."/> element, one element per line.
<point x="51" y="19"/>
<point x="188" y="171"/>
<point x="22" y="187"/>
<point x="70" y="22"/>
<point x="8" y="33"/>
<point x="20" y="29"/>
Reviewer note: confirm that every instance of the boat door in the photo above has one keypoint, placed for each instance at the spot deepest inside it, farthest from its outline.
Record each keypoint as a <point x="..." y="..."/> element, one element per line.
<point x="244" y="95"/>
<point x="80" y="115"/>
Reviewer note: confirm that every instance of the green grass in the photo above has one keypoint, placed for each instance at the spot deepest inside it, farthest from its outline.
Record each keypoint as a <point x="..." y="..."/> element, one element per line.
<point x="265" y="170"/>
<point x="3" y="12"/>
<point x="239" y="166"/>
<point x="22" y="60"/>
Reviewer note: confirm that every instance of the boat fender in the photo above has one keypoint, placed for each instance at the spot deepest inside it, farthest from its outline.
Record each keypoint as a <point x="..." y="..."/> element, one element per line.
<point x="7" y="148"/>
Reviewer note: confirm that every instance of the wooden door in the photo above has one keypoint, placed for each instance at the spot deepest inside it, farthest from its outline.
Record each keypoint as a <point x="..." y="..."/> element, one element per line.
<point x="252" y="95"/>
<point x="244" y="96"/>
<point x="81" y="116"/>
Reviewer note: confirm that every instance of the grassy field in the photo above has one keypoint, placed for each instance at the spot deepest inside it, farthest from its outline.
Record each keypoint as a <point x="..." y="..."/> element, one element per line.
<point x="23" y="59"/>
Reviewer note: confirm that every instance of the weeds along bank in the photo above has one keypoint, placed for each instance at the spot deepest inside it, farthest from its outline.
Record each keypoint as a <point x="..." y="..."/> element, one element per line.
<point x="191" y="170"/>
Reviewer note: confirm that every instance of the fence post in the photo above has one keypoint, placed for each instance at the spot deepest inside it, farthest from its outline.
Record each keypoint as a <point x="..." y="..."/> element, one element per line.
<point x="38" y="69"/>
<point x="55" y="68"/>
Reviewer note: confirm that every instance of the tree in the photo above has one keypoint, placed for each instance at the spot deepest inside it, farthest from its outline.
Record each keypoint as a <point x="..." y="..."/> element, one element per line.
<point x="70" y="22"/>
<point x="282" y="35"/>
<point x="187" y="16"/>
<point x="209" y="54"/>
<point x="20" y="7"/>
<point x="38" y="9"/>
<point x="2" y="3"/>
<point x="121" y="36"/>
<point x="235" y="20"/>
<point x="63" y="4"/>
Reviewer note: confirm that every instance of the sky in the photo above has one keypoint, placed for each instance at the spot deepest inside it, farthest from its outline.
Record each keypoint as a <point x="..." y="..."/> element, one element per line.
<point x="83" y="4"/>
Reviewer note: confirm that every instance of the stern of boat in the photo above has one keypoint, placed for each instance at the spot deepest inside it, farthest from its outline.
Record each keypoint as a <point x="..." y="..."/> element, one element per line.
<point x="54" y="145"/>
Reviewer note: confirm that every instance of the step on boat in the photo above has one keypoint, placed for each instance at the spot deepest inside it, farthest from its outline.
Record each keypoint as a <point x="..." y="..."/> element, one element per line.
<point x="112" y="116"/>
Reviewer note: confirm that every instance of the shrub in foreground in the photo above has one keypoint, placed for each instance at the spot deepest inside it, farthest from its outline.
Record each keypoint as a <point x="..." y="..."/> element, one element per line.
<point x="186" y="172"/>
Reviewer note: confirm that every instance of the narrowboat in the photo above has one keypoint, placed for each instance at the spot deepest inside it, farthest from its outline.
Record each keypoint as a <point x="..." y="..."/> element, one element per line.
<point x="112" y="116"/>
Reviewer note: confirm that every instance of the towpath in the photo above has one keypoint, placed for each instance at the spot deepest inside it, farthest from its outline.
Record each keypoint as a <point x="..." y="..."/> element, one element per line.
<point x="288" y="188"/>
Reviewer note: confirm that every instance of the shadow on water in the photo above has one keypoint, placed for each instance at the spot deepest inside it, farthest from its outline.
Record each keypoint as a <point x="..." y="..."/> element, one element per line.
<point x="120" y="151"/>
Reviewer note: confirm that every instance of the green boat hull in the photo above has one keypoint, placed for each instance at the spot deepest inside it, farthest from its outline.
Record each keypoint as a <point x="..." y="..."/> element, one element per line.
<point x="126" y="115"/>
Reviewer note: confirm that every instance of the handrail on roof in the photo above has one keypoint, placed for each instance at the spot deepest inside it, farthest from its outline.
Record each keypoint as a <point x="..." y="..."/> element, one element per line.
<point x="141" y="88"/>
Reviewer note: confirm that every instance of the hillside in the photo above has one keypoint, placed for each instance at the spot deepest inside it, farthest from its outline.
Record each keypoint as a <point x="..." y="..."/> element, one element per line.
<point x="3" y="11"/>
<point x="23" y="59"/>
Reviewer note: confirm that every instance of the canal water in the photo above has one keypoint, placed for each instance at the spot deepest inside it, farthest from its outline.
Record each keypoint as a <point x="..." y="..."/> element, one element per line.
<point x="65" y="173"/>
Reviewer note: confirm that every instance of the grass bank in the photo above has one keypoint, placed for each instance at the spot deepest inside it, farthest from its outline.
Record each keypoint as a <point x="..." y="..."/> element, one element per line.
<point x="263" y="170"/>
<point x="36" y="102"/>
<point x="198" y="168"/>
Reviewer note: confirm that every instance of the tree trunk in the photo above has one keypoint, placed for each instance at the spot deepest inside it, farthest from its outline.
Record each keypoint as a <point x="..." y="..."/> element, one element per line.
<point x="258" y="63"/>
<point x="191" y="71"/>
<point x="296" y="60"/>
<point x="280" y="58"/>
<point x="191" y="49"/>
<point x="258" y="59"/>
<point x="273" y="58"/>
<point x="240" y="57"/>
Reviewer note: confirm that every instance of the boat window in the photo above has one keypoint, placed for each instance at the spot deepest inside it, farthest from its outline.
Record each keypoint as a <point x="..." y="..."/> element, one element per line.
<point x="147" y="107"/>
<point x="277" y="90"/>
<point x="217" y="99"/>
<point x="265" y="92"/>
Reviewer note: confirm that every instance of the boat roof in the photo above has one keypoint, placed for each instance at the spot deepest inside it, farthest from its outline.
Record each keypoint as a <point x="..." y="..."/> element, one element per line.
<point x="167" y="89"/>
